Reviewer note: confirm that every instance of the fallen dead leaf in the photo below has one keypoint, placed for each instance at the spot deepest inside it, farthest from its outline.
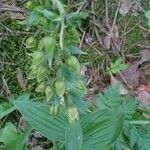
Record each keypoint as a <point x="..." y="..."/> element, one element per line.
<point x="115" y="32"/>
<point x="107" y="41"/>
<point x="20" y="79"/>
<point x="136" y="7"/>
<point x="145" y="56"/>
<point x="16" y="16"/>
<point x="132" y="75"/>
<point x="144" y="88"/>
<point x="125" y="6"/>
<point x="83" y="71"/>
<point x="144" y="97"/>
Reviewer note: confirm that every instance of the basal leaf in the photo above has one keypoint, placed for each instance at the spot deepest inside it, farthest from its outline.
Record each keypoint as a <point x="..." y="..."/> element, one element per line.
<point x="23" y="97"/>
<point x="101" y="129"/>
<point x="73" y="136"/>
<point x="37" y="115"/>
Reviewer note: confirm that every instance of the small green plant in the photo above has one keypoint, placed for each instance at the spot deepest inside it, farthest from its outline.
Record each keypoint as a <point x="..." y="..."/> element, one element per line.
<point x="12" y="139"/>
<point x="64" y="116"/>
<point x="116" y="67"/>
<point x="147" y="15"/>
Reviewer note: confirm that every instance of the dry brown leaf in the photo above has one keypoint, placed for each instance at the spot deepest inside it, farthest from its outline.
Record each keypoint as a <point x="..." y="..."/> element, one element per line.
<point x="136" y="7"/>
<point x="17" y="16"/>
<point x="115" y="32"/>
<point x="125" y="6"/>
<point x="107" y="41"/>
<point x="83" y="71"/>
<point x="123" y="90"/>
<point x="20" y="79"/>
<point x="144" y="88"/>
<point x="145" y="56"/>
<point x="144" y="97"/>
<point x="132" y="75"/>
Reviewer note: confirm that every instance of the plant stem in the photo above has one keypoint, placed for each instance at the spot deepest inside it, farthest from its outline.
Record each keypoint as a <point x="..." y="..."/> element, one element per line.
<point x="62" y="13"/>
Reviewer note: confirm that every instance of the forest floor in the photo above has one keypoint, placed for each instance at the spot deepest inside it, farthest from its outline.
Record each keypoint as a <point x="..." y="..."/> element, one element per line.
<point x="113" y="30"/>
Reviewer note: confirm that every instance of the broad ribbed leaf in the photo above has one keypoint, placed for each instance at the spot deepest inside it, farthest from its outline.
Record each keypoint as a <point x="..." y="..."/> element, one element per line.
<point x="101" y="129"/>
<point x="37" y="115"/>
<point x="73" y="136"/>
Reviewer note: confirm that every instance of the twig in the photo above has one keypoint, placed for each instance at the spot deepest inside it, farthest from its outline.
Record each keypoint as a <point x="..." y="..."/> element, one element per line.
<point x="114" y="22"/>
<point x="13" y="64"/>
<point x="106" y="13"/>
<point x="5" y="86"/>
<point x="147" y="30"/>
<point x="143" y="46"/>
<point x="82" y="39"/>
<point x="81" y="6"/>
<point x="11" y="9"/>
<point x="129" y="30"/>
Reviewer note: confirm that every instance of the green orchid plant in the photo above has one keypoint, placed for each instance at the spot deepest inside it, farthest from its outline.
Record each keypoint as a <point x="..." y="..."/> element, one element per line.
<point x="65" y="116"/>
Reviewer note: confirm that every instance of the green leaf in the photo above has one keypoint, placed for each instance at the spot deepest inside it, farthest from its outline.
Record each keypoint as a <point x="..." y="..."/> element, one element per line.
<point x="30" y="42"/>
<point x="23" y="138"/>
<point x="101" y="129"/>
<point x="49" y="92"/>
<point x="23" y="97"/>
<point x="38" y="59"/>
<point x="12" y="139"/>
<point x="42" y="73"/>
<point x="41" y="87"/>
<point x="5" y="109"/>
<point x="111" y="97"/>
<point x="51" y="15"/>
<point x="72" y="37"/>
<point x="75" y="50"/>
<point x="80" y="103"/>
<point x="81" y="87"/>
<point x="121" y="144"/>
<point x="75" y="18"/>
<point x="33" y="19"/>
<point x="60" y="87"/>
<point x="49" y="44"/>
<point x="130" y="107"/>
<point x="73" y="114"/>
<point x="65" y="72"/>
<point x="73" y="64"/>
<point x="73" y="136"/>
<point x="115" y="70"/>
<point x="118" y="62"/>
<point x="9" y="136"/>
<point x="38" y="116"/>
<point x="138" y="136"/>
<point x="123" y="67"/>
<point x="147" y="14"/>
